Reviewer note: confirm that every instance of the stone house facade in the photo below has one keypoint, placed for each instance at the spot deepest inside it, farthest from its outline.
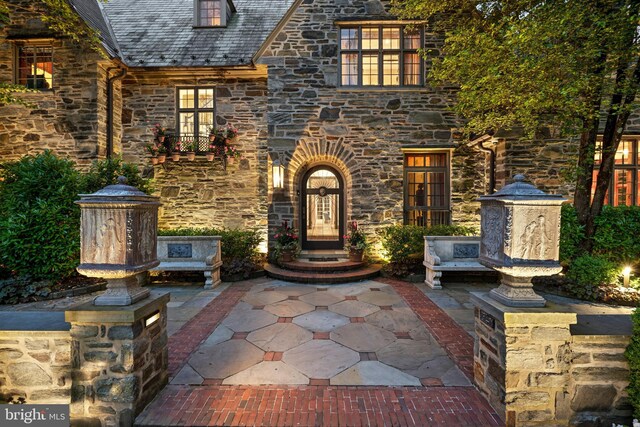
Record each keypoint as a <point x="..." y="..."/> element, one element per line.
<point x="337" y="121"/>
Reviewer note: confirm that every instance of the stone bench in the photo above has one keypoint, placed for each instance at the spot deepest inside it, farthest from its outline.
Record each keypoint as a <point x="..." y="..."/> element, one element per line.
<point x="191" y="253"/>
<point x="450" y="253"/>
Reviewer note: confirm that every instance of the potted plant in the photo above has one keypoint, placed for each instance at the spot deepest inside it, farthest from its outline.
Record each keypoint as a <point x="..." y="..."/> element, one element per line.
<point x="212" y="134"/>
<point x="159" y="132"/>
<point x="211" y="154"/>
<point x="162" y="153"/>
<point x="231" y="154"/>
<point x="227" y="133"/>
<point x="190" y="148"/>
<point x="355" y="243"/>
<point x="286" y="242"/>
<point x="152" y="149"/>
<point x="177" y="148"/>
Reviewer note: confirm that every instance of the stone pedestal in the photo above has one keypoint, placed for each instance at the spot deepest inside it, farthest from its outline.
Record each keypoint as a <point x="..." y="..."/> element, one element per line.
<point x="535" y="366"/>
<point x="123" y="291"/>
<point x="119" y="359"/>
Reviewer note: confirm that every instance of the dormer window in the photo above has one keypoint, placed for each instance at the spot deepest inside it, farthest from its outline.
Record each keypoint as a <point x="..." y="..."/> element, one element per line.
<point x="213" y="13"/>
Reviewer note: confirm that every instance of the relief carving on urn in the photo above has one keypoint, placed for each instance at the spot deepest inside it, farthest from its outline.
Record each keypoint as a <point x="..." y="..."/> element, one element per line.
<point x="520" y="239"/>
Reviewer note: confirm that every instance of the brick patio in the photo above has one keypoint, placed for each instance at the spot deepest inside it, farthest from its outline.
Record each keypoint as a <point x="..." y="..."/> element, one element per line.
<point x="319" y="403"/>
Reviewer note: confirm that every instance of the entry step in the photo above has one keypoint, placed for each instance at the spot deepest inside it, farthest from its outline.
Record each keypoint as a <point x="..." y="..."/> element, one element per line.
<point x="363" y="273"/>
<point x="321" y="266"/>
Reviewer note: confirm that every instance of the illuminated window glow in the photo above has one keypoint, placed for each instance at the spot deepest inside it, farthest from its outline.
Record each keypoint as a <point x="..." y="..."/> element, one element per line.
<point x="35" y="67"/>
<point x="426" y="189"/>
<point x="625" y="185"/>
<point x="380" y="55"/>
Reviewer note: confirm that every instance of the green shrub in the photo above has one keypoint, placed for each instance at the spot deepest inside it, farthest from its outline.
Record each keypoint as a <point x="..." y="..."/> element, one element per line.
<point x="617" y="235"/>
<point x="39" y="221"/>
<point x="633" y="356"/>
<point x="589" y="272"/>
<point x="106" y="172"/>
<point x="403" y="242"/>
<point x="571" y="234"/>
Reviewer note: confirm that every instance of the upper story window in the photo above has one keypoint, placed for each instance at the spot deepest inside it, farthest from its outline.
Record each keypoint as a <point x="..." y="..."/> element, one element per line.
<point x="196" y="113"/>
<point x="427" y="194"/>
<point x="35" y="66"/>
<point x="381" y="55"/>
<point x="625" y="185"/>
<point x="213" y="13"/>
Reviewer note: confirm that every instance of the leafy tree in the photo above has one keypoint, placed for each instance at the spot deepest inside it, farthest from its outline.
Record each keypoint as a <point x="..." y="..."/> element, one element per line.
<point x="570" y="65"/>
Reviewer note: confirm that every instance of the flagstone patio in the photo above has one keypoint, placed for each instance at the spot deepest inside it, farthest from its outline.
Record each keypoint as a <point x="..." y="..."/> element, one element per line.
<point x="351" y="335"/>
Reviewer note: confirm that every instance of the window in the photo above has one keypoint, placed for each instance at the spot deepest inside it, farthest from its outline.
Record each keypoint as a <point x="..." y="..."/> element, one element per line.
<point x="625" y="185"/>
<point x="426" y="189"/>
<point x="213" y="13"/>
<point x="35" y="67"/>
<point x="196" y="114"/>
<point x="380" y="56"/>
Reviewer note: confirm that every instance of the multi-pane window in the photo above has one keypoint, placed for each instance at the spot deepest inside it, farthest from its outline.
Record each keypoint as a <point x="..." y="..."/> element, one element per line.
<point x="426" y="189"/>
<point x="625" y="185"/>
<point x="196" y="113"/>
<point x="380" y="55"/>
<point x="35" y="67"/>
<point x="210" y="13"/>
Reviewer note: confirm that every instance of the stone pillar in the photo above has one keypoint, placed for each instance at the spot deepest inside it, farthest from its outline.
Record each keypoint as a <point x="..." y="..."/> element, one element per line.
<point x="520" y="238"/>
<point x="119" y="351"/>
<point x="119" y="360"/>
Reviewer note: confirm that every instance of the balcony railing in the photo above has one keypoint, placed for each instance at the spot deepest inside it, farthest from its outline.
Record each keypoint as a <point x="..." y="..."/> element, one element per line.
<point x="202" y="142"/>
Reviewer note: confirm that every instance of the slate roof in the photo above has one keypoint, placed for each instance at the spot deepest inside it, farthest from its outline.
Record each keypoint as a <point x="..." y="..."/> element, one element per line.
<point x="160" y="33"/>
<point x="92" y="13"/>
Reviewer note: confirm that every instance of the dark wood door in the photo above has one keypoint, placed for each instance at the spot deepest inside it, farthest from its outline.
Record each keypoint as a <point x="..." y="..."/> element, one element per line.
<point x="322" y="209"/>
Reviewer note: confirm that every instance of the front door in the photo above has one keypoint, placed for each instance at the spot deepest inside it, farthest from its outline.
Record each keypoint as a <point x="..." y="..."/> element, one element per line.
<point x="322" y="210"/>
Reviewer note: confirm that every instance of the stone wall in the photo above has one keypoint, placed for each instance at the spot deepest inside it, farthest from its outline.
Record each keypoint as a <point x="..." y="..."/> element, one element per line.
<point x="359" y="131"/>
<point x="70" y="119"/>
<point x="201" y="193"/>
<point x="35" y="366"/>
<point x="534" y="371"/>
<point x="118" y="364"/>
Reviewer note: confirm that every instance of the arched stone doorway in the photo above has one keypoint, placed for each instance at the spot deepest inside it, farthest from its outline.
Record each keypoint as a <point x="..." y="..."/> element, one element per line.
<point x="322" y="209"/>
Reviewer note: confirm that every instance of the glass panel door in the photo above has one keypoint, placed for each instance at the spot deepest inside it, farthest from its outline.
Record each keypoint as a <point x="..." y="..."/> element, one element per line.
<point x="322" y="210"/>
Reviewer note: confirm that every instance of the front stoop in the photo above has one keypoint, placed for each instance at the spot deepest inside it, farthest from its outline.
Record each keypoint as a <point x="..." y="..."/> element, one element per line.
<point x="306" y="272"/>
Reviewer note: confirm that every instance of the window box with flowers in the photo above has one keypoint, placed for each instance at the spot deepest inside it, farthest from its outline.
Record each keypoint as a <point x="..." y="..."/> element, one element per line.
<point x="287" y="246"/>
<point x="355" y="242"/>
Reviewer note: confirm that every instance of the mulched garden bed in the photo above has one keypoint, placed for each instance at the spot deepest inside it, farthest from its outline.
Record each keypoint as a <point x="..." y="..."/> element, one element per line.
<point x="21" y="290"/>
<point x="608" y="294"/>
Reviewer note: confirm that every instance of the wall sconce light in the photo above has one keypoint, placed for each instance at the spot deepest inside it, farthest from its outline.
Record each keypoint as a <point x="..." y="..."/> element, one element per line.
<point x="626" y="272"/>
<point x="277" y="170"/>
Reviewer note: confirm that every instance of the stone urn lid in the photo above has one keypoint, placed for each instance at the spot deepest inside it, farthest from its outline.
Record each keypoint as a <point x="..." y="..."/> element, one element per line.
<point x="519" y="189"/>
<point x="118" y="192"/>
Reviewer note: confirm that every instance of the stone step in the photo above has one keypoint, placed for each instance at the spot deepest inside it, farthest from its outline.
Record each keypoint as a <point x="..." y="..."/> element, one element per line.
<point x="322" y="267"/>
<point x="362" y="273"/>
<point x="323" y="255"/>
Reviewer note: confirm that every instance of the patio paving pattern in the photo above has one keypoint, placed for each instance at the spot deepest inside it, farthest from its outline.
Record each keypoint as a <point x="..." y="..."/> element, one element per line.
<point x="355" y="334"/>
<point x="269" y="352"/>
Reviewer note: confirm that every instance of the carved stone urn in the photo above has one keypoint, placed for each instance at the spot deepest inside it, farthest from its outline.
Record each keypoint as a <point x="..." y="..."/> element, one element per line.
<point x="118" y="240"/>
<point x="520" y="238"/>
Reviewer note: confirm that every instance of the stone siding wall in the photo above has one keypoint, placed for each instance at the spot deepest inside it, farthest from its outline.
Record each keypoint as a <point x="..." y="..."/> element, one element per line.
<point x="201" y="193"/>
<point x="359" y="131"/>
<point x="70" y="119"/>
<point x="35" y="366"/>
<point x="118" y="369"/>
<point x="534" y="371"/>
